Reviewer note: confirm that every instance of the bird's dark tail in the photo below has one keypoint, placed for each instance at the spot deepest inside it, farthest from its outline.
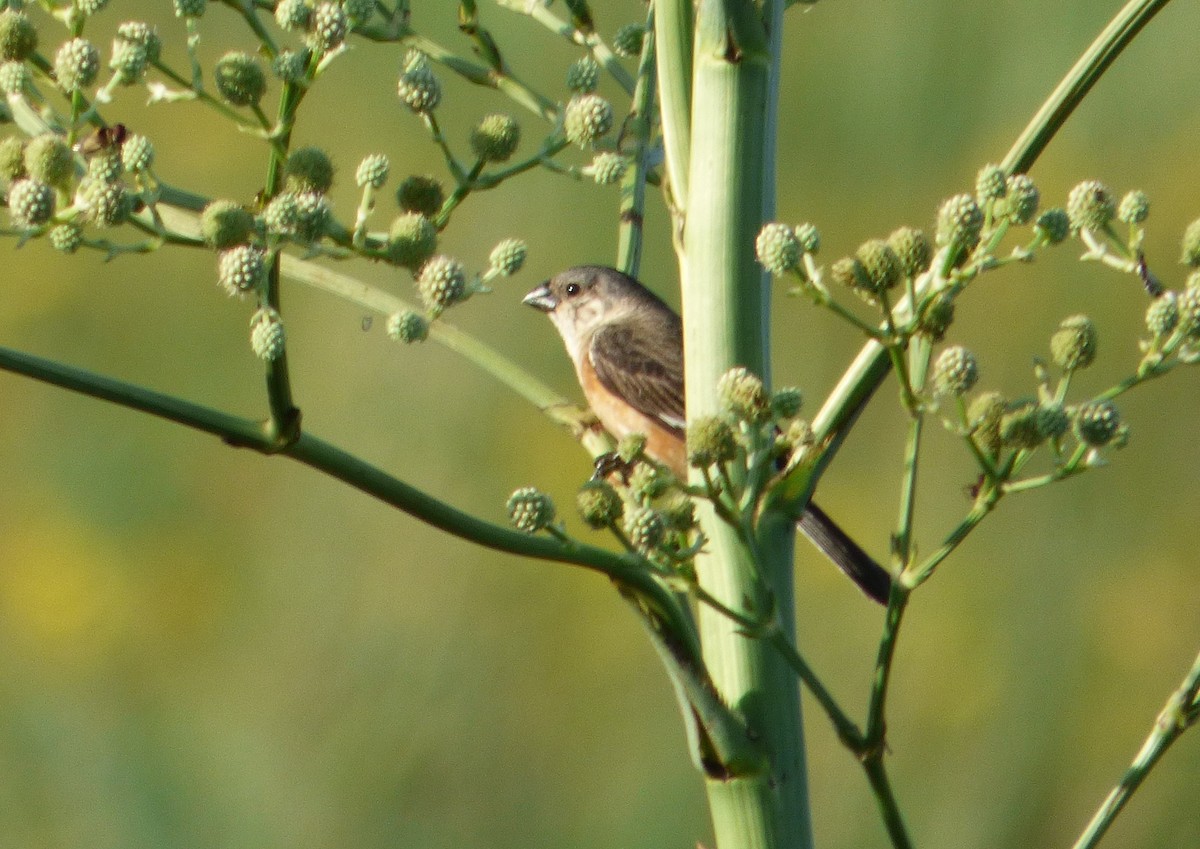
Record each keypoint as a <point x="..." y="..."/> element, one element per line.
<point x="845" y="553"/>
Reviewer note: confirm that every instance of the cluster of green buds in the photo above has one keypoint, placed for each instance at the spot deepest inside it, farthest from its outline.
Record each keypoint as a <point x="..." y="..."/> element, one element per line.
<point x="1173" y="317"/>
<point x="755" y="435"/>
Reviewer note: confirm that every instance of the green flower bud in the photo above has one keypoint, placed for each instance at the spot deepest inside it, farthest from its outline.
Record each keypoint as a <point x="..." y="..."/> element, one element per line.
<point x="292" y="14"/>
<point x="1097" y="422"/>
<point x="312" y="217"/>
<point x="1052" y="420"/>
<point x="12" y="158"/>
<point x="1022" y="200"/>
<point x="190" y="8"/>
<point x="309" y="170"/>
<point x="281" y="217"/>
<point x="1189" y="312"/>
<point x="18" y="36"/>
<point x="508" y="256"/>
<point x="105" y="166"/>
<point x="240" y="269"/>
<point x="372" y="171"/>
<point x="809" y="237"/>
<point x="710" y="440"/>
<point x="66" y="238"/>
<point x="849" y="272"/>
<point x="529" y="510"/>
<point x="31" y="203"/>
<point x="678" y="512"/>
<point x="239" y="79"/>
<point x="442" y="283"/>
<point x="47" y="158"/>
<point x="421" y="194"/>
<point x="650" y="481"/>
<point x="107" y="204"/>
<point x="418" y="87"/>
<point x="329" y="27"/>
<point x="743" y="395"/>
<point x="607" y="168"/>
<point x="291" y="66"/>
<point x="1053" y="225"/>
<point x="1090" y="206"/>
<point x="786" y="403"/>
<point x="137" y="154"/>
<point x="408" y="327"/>
<point x="938" y="317"/>
<point x="881" y="265"/>
<point x="1163" y="314"/>
<point x="359" y="11"/>
<point x="132" y="51"/>
<point x="1073" y="345"/>
<point x="1191" y="245"/>
<point x="645" y="528"/>
<point x="267" y="337"/>
<point x="983" y="417"/>
<point x="224" y="223"/>
<point x="631" y="447"/>
<point x="76" y="65"/>
<point x="138" y="32"/>
<point x="990" y="184"/>
<point x="599" y="505"/>
<point x="412" y="239"/>
<point x="1019" y="426"/>
<point x="959" y="225"/>
<point x="955" y="372"/>
<point x="777" y="248"/>
<point x="15" y="78"/>
<point x="583" y="76"/>
<point x="495" y="138"/>
<point x="913" y="249"/>
<point x="628" y="40"/>
<point x="588" y="117"/>
<point x="1134" y="208"/>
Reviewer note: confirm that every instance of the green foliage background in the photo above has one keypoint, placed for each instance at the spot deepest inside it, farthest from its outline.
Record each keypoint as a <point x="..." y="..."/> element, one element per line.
<point x="201" y="647"/>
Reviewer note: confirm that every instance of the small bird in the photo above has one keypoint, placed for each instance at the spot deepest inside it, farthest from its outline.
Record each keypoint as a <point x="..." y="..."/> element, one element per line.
<point x="627" y="346"/>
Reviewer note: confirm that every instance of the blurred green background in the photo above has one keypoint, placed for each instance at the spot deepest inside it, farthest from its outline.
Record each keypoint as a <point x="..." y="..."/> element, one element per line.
<point x="202" y="647"/>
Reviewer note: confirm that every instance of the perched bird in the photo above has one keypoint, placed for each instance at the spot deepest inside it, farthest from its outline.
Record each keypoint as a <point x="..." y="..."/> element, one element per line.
<point x="627" y="346"/>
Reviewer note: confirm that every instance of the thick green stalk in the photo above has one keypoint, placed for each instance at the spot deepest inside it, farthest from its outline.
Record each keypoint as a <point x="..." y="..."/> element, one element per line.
<point x="673" y="46"/>
<point x="725" y="304"/>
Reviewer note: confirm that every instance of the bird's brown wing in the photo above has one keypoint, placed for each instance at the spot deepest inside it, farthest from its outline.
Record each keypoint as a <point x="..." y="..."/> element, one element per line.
<point x="648" y="376"/>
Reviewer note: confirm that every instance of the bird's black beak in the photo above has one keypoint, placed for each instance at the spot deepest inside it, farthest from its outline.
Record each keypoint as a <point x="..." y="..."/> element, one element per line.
<point x="541" y="298"/>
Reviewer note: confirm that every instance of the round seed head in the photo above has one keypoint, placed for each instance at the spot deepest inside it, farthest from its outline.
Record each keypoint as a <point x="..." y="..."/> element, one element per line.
<point x="408" y="327"/>
<point x="18" y="35"/>
<point x="583" y="76"/>
<point x="291" y="65"/>
<point x="418" y="87"/>
<point x="224" y="223"/>
<point x="66" y="237"/>
<point x="312" y="217"/>
<point x="955" y="372"/>
<point x="1134" y="208"/>
<point x="412" y="239"/>
<point x="530" y="510"/>
<point x="239" y="79"/>
<point x="495" y="138"/>
<point x="1163" y="314"/>
<point x="1023" y="197"/>
<point x="599" y="505"/>
<point x="588" y="117"/>
<point x="267" y="337"/>
<point x="137" y="154"/>
<point x="330" y="23"/>
<point x="15" y="78"/>
<point x="1090" y="206"/>
<point x="107" y="203"/>
<point x="777" y="248"/>
<point x="1073" y="345"/>
<point x="421" y="194"/>
<point x="990" y="184"/>
<point x="913" y="249"/>
<point x="881" y="264"/>
<point x="1097" y="422"/>
<point x="710" y="440"/>
<point x="508" y="256"/>
<point x="240" y="270"/>
<point x="372" y="171"/>
<point x="984" y="415"/>
<point x="1054" y="225"/>
<point x="442" y="283"/>
<point x="31" y="203"/>
<point x="292" y="14"/>
<point x="743" y="395"/>
<point x="309" y="169"/>
<point x="959" y="225"/>
<point x="628" y="40"/>
<point x="607" y="168"/>
<point x="1019" y="426"/>
<point x="76" y="65"/>
<point x="645" y="528"/>
<point x="47" y="158"/>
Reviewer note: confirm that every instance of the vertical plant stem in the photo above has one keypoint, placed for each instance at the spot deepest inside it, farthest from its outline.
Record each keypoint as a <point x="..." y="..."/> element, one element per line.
<point x="725" y="304"/>
<point x="673" y="47"/>
<point x="639" y="128"/>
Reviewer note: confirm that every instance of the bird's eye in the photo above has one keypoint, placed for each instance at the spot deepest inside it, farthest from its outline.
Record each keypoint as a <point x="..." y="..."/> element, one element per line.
<point x="572" y="289"/>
